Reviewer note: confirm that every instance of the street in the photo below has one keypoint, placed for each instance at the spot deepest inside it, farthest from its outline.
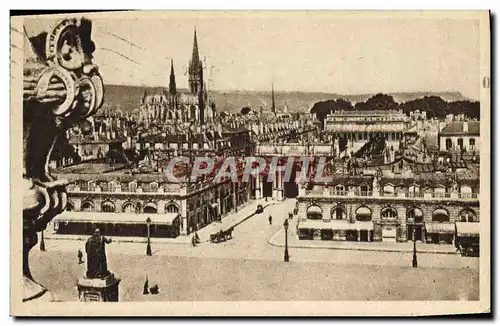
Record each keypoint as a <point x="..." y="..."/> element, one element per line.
<point x="249" y="268"/>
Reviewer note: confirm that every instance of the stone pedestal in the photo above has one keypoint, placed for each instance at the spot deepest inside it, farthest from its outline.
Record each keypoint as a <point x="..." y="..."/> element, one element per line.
<point x="98" y="289"/>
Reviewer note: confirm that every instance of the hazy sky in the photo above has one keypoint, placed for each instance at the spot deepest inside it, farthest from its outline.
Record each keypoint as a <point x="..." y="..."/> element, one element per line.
<point x="304" y="52"/>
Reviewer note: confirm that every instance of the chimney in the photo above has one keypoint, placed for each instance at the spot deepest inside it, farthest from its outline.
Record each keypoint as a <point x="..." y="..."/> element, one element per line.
<point x="466" y="126"/>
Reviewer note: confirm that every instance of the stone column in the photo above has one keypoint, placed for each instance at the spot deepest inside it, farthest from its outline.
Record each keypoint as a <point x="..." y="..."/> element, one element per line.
<point x="184" y="217"/>
<point x="258" y="189"/>
<point x="280" y="186"/>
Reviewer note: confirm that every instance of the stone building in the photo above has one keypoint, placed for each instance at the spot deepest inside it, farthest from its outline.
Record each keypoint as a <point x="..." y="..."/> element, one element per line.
<point x="386" y="205"/>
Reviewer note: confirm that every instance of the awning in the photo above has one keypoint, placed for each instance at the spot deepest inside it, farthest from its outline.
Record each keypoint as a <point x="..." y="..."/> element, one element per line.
<point x="314" y="210"/>
<point x="467" y="229"/>
<point x="439" y="228"/>
<point x="440" y="211"/>
<point x="417" y="212"/>
<point x="116" y="218"/>
<point x="336" y="225"/>
<point x="363" y="211"/>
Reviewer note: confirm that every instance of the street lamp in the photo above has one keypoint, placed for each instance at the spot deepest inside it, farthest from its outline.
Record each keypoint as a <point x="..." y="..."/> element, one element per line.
<point x="414" y="261"/>
<point x="42" y="242"/>
<point x="148" y="247"/>
<point x="285" y="225"/>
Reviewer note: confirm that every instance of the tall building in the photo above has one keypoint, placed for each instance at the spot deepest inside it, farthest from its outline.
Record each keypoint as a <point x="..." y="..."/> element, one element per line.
<point x="174" y="107"/>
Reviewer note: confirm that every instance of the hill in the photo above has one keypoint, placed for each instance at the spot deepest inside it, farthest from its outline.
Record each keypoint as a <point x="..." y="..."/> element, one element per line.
<point x="128" y="98"/>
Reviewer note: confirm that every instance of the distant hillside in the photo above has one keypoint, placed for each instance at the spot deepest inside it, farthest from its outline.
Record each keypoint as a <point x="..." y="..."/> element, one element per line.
<point x="128" y="98"/>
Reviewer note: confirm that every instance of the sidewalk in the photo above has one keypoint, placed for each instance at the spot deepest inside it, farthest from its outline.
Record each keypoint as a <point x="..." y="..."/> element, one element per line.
<point x="231" y="220"/>
<point x="278" y="240"/>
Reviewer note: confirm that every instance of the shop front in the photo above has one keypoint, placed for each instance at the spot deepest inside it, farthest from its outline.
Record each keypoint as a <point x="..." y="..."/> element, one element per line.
<point x="339" y="230"/>
<point x="439" y="232"/>
<point x="117" y="224"/>
<point x="467" y="238"/>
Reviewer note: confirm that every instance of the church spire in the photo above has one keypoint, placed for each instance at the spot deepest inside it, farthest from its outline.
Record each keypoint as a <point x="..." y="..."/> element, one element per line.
<point x="273" y="106"/>
<point x="195" y="56"/>
<point x="195" y="69"/>
<point x="172" y="86"/>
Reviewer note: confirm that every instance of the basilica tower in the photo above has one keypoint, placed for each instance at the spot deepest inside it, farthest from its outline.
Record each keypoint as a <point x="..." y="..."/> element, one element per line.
<point x="196" y="79"/>
<point x="172" y="88"/>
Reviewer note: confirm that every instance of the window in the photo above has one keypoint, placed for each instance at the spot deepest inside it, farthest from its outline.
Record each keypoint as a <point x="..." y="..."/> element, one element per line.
<point x="132" y="186"/>
<point x="389" y="213"/>
<point x="128" y="208"/>
<point x="472" y="143"/>
<point x="108" y="207"/>
<point x="363" y="213"/>
<point x="153" y="186"/>
<point x="171" y="208"/>
<point x="339" y="190"/>
<point x="440" y="215"/>
<point x="460" y="143"/>
<point x="468" y="215"/>
<point x="87" y="206"/>
<point x="448" y="144"/>
<point x="314" y="213"/>
<point x="70" y="207"/>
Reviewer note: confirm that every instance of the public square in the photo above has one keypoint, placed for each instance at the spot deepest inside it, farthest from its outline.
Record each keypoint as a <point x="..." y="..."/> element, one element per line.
<point x="248" y="267"/>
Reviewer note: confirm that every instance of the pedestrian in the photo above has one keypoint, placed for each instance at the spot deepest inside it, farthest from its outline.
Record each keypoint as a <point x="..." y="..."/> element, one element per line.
<point x="80" y="256"/>
<point x="270" y="220"/>
<point x="193" y="241"/>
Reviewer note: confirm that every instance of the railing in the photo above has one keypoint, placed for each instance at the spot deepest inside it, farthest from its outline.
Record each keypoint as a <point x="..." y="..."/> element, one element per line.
<point x="388" y="194"/>
<point x="363" y="193"/>
<point x="412" y="194"/>
<point x="338" y="192"/>
<point x="468" y="195"/>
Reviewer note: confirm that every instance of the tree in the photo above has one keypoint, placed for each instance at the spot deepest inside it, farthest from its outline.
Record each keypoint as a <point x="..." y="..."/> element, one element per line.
<point x="245" y="110"/>
<point x="323" y="108"/>
<point x="378" y="102"/>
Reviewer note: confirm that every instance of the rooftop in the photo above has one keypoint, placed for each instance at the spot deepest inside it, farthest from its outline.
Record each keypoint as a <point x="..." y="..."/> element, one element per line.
<point x="457" y="128"/>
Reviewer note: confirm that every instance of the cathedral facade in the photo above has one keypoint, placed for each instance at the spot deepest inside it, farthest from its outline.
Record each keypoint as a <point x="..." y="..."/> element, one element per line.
<point x="173" y="107"/>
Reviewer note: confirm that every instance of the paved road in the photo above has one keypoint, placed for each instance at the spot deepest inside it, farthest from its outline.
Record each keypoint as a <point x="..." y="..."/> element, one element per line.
<point x="248" y="268"/>
<point x="251" y="242"/>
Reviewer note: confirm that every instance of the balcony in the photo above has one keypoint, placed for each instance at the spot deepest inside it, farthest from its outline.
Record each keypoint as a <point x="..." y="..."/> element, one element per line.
<point x="338" y="192"/>
<point x="468" y="195"/>
<point x="363" y="193"/>
<point x="414" y="194"/>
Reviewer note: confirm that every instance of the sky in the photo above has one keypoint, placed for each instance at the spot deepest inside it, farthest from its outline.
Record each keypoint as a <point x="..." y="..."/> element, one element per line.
<point x="297" y="52"/>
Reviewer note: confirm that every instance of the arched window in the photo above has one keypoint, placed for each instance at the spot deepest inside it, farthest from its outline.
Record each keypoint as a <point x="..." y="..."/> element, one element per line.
<point x="171" y="208"/>
<point x="112" y="186"/>
<point x="339" y="213"/>
<point x="389" y="214"/>
<point x="128" y="207"/>
<point x="363" y="213"/>
<point x="108" y="207"/>
<point x="440" y="215"/>
<point x="415" y="215"/>
<point x="389" y="188"/>
<point x="314" y="212"/>
<point x="87" y="206"/>
<point x="150" y="208"/>
<point x="132" y="186"/>
<point x="468" y="215"/>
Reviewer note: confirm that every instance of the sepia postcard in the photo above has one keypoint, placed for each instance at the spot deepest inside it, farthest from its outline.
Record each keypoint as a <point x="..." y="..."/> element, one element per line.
<point x="250" y="163"/>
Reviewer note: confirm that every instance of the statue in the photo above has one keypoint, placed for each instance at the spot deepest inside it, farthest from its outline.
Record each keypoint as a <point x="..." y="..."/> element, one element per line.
<point x="95" y="248"/>
<point x="60" y="87"/>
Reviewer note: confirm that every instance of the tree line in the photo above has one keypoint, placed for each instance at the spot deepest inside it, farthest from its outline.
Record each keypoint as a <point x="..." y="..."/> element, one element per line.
<point x="435" y="106"/>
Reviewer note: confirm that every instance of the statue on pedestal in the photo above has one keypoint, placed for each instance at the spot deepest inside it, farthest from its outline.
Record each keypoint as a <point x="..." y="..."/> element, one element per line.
<point x="97" y="266"/>
<point x="60" y="87"/>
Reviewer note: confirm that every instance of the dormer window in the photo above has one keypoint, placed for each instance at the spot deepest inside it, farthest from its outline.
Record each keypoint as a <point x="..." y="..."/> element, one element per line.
<point x="132" y="186"/>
